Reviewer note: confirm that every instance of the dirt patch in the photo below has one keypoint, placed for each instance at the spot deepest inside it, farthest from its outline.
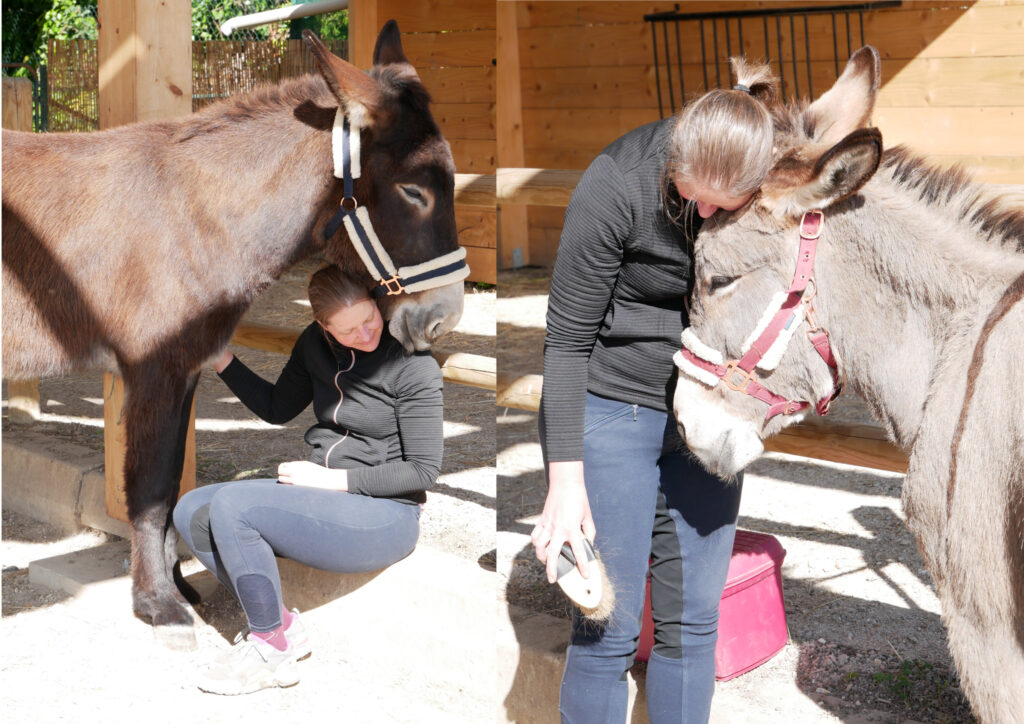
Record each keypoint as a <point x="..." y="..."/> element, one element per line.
<point x="866" y="642"/>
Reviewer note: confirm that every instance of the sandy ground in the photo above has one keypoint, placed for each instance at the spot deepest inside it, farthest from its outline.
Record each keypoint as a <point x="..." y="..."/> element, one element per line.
<point x="866" y="641"/>
<point x="88" y="659"/>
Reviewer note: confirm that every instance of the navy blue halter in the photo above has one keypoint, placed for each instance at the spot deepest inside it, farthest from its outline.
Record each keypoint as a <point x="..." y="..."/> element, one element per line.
<point x="440" y="271"/>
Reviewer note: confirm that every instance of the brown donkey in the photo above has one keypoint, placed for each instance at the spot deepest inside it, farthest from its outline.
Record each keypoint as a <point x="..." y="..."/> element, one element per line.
<point x="918" y="277"/>
<point x="138" y="249"/>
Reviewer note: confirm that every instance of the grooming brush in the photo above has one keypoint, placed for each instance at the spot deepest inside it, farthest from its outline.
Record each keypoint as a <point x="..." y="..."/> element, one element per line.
<point x="594" y="596"/>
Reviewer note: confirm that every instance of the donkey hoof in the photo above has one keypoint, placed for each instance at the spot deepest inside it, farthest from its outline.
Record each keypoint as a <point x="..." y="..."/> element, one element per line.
<point x="176" y="637"/>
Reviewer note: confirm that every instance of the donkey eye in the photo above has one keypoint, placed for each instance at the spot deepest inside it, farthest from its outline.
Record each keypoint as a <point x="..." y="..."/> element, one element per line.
<point x="414" y="194"/>
<point x="720" y="282"/>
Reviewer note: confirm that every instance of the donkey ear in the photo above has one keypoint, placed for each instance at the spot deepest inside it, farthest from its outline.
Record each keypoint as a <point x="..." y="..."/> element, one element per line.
<point x="840" y="172"/>
<point x="848" y="104"/>
<point x="389" y="45"/>
<point x="357" y="92"/>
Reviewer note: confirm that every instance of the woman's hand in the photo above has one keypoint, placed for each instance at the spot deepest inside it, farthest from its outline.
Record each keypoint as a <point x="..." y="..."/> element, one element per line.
<point x="311" y="475"/>
<point x="566" y="517"/>
<point x="223" y="361"/>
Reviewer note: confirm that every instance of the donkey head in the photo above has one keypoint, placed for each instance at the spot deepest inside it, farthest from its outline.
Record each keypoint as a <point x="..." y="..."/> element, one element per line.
<point x="824" y="154"/>
<point x="407" y="181"/>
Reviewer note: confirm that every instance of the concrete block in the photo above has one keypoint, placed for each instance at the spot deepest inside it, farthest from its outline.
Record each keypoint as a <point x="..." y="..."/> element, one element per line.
<point x="42" y="477"/>
<point x="86" y="570"/>
<point x="531" y="658"/>
<point x="92" y="506"/>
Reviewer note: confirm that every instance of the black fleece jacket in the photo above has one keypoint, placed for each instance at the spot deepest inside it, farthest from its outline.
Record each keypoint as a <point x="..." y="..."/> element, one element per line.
<point x="617" y="303"/>
<point x="379" y="414"/>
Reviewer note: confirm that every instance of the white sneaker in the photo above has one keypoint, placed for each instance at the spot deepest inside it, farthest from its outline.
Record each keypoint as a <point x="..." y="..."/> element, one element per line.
<point x="250" y="665"/>
<point x="297" y="637"/>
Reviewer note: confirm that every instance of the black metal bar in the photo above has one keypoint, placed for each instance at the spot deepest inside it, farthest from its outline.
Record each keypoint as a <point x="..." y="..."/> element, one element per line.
<point x="668" y="70"/>
<point x="657" y="75"/>
<point x="728" y="40"/>
<point x="739" y="28"/>
<point x="835" y="46"/>
<point x="768" y="12"/>
<point x="718" y="67"/>
<point x="807" y="47"/>
<point x="679" y="63"/>
<point x="861" y="15"/>
<point x="792" y="50"/>
<point x="703" y="57"/>
<point x="849" y="44"/>
<point x="782" y="61"/>
<point x="767" y="45"/>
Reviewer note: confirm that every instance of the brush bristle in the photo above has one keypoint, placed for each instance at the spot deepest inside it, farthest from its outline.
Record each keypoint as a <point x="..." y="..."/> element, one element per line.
<point x="604" y="608"/>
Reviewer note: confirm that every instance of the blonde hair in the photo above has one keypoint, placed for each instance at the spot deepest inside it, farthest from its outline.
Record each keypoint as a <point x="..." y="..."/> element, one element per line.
<point x="331" y="289"/>
<point x="723" y="140"/>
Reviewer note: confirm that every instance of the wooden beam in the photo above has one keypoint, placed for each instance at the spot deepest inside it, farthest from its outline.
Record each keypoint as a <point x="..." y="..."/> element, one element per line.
<point x="475" y="189"/>
<point x="513" y="220"/>
<point x="536" y="186"/>
<point x="23" y="400"/>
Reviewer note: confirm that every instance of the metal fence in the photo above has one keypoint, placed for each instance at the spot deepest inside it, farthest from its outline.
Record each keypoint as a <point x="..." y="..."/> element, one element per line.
<point x="691" y="50"/>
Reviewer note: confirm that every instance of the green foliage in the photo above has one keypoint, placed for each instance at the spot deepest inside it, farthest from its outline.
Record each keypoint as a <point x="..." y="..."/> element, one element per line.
<point x="67" y="20"/>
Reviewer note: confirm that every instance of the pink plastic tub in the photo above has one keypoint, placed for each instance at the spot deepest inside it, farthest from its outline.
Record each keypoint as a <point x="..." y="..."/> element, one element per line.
<point x="752" y="616"/>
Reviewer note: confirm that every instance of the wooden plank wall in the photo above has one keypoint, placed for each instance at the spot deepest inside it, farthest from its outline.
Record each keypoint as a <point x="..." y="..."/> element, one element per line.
<point x="452" y="45"/>
<point x="953" y="82"/>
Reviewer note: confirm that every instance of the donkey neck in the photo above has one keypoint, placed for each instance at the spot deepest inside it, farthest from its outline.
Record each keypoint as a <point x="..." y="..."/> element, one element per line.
<point x="266" y="175"/>
<point x="922" y="283"/>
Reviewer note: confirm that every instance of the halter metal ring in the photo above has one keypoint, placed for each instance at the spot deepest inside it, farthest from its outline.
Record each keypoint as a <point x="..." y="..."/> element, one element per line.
<point x="392" y="290"/>
<point x="732" y="369"/>
<point x="352" y="204"/>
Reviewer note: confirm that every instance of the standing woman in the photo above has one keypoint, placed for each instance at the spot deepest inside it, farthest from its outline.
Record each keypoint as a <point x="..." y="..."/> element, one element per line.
<point x="353" y="507"/>
<point x="618" y="474"/>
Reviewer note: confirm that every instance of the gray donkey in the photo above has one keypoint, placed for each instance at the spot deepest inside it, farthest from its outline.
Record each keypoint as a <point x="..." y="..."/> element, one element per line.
<point x="917" y="275"/>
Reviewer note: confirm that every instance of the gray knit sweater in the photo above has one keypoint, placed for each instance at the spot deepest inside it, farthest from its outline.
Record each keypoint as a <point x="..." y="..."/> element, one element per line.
<point x="617" y="301"/>
<point x="379" y="414"/>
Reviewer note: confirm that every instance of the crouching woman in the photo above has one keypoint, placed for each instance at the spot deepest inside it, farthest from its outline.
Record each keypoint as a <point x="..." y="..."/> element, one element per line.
<point x="353" y="507"/>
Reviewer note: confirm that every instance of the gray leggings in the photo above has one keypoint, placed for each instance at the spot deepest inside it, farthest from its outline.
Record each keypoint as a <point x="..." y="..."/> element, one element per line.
<point x="236" y="529"/>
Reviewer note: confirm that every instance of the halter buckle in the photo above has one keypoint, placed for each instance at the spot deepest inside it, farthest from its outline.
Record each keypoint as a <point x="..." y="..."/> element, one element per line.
<point x="810" y="227"/>
<point x="740" y="385"/>
<point x="396" y="289"/>
<point x="351" y="206"/>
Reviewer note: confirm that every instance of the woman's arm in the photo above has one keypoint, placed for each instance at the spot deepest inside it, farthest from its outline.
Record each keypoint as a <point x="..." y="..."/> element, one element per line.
<point x="274" y="403"/>
<point x="597" y="223"/>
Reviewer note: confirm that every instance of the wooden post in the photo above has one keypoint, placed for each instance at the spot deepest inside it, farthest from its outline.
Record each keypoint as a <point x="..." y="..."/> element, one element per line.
<point x="363" y="27"/>
<point x="22" y="395"/>
<point x="513" y="220"/>
<point x="114" y="439"/>
<point x="17" y="103"/>
<point x="145" y="74"/>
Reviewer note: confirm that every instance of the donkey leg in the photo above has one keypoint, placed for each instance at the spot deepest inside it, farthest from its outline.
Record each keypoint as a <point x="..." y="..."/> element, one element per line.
<point x="184" y="591"/>
<point x="152" y="476"/>
<point x="988" y="659"/>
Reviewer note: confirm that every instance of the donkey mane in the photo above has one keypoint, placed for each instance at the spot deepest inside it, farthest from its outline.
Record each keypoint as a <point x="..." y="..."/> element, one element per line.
<point x="953" y="190"/>
<point x="260" y="102"/>
<point x="264" y="100"/>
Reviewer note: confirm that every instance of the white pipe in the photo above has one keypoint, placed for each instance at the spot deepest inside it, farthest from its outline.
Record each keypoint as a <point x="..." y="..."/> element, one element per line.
<point x="288" y="12"/>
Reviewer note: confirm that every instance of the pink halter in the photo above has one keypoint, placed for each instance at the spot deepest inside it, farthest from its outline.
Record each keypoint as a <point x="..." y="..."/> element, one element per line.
<point x="738" y="375"/>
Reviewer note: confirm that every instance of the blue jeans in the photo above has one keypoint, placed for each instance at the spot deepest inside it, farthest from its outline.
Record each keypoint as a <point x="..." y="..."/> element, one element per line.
<point x="653" y="504"/>
<point x="237" y="529"/>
